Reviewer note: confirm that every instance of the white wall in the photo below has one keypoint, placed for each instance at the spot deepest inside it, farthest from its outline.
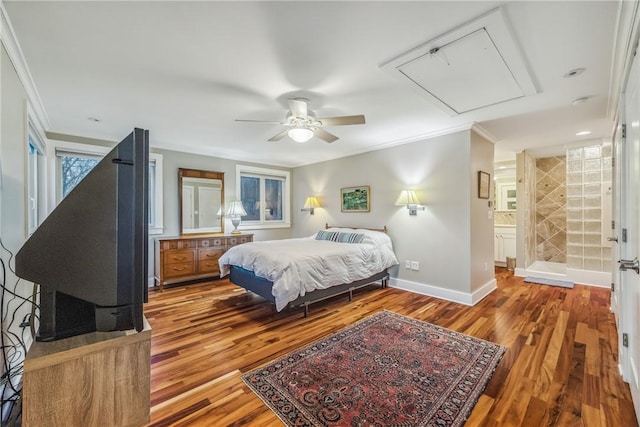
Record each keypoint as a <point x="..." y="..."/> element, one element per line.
<point x="439" y="238"/>
<point x="481" y="215"/>
<point x="13" y="228"/>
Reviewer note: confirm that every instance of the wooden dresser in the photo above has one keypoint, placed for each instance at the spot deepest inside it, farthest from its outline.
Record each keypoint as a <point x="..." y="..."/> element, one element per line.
<point x="190" y="257"/>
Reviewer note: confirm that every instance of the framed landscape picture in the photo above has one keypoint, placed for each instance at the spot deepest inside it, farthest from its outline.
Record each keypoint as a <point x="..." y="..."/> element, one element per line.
<point x="355" y="199"/>
<point x="484" y="181"/>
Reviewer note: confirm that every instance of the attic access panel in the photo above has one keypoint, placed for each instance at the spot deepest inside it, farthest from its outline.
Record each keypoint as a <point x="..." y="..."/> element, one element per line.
<point x="475" y="65"/>
<point x="466" y="74"/>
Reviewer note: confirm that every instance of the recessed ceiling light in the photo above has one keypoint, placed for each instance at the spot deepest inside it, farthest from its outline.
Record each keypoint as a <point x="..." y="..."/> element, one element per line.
<point x="93" y="119"/>
<point x="583" y="133"/>
<point x="574" y="72"/>
<point x="580" y="100"/>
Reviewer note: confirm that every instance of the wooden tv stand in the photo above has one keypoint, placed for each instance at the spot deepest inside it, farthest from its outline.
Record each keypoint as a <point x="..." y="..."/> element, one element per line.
<point x="95" y="379"/>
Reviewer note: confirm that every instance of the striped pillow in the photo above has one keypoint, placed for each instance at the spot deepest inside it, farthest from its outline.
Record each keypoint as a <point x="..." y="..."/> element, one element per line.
<point x="335" y="236"/>
<point x="327" y="235"/>
<point x="350" y="237"/>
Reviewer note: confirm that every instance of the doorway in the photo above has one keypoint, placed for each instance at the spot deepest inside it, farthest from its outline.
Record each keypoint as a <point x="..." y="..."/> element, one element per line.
<point x="626" y="302"/>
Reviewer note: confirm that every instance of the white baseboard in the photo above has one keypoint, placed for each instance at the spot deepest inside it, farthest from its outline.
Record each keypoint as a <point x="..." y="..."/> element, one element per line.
<point x="601" y="279"/>
<point x="443" y="293"/>
<point x="520" y="272"/>
<point x="484" y="290"/>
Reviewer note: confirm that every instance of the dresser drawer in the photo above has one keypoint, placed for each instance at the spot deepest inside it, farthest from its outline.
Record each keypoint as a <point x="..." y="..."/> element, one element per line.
<point x="210" y="254"/>
<point x="178" y="244"/>
<point x="179" y="269"/>
<point x="210" y="243"/>
<point x="178" y="256"/>
<point x="208" y="260"/>
<point x="232" y="241"/>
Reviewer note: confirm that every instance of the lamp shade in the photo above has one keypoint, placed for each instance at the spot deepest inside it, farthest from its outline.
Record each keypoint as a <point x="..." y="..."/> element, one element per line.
<point x="236" y="209"/>
<point x="299" y="134"/>
<point x="407" y="197"/>
<point x="311" y="203"/>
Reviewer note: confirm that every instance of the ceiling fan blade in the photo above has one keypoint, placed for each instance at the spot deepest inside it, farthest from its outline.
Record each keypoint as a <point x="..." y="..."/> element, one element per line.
<point x="324" y="135"/>
<point x="279" y="136"/>
<point x="343" y="120"/>
<point x="260" y="121"/>
<point x="298" y="108"/>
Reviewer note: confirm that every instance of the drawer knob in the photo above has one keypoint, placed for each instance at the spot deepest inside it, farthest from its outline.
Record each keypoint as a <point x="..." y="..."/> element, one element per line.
<point x="178" y="269"/>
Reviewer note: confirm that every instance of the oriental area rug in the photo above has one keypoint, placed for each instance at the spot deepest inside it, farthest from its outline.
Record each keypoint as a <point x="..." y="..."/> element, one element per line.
<point x="385" y="370"/>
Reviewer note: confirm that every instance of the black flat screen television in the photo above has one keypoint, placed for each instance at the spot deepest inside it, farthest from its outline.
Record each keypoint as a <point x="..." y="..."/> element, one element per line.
<point x="90" y="256"/>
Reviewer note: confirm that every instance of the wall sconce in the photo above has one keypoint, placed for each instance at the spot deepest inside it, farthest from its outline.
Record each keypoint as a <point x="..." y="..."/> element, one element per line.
<point x="310" y="204"/>
<point x="235" y="211"/>
<point x="409" y="199"/>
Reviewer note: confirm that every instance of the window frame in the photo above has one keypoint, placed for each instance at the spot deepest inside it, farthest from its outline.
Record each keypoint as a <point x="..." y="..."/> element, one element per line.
<point x="55" y="196"/>
<point x="262" y="174"/>
<point x="35" y="138"/>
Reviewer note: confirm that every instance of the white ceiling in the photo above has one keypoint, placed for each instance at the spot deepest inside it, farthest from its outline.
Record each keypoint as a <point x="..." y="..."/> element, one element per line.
<point x="186" y="70"/>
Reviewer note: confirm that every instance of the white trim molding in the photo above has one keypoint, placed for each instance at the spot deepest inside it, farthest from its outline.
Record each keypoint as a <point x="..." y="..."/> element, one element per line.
<point x="443" y="293"/>
<point x="624" y="45"/>
<point x="11" y="44"/>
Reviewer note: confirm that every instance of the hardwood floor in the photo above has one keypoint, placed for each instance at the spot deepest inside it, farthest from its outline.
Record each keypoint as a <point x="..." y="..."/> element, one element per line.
<point x="560" y="367"/>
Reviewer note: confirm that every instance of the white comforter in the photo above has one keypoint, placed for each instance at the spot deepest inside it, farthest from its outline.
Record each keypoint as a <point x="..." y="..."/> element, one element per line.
<point x="298" y="266"/>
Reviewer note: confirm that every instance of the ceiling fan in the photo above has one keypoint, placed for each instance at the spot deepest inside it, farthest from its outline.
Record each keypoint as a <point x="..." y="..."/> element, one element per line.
<point x="303" y="124"/>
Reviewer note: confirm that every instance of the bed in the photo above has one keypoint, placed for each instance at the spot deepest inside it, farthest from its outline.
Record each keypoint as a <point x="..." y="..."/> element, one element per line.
<point x="298" y="272"/>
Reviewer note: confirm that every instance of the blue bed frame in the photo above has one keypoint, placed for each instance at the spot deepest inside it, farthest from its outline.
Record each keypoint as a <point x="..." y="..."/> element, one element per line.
<point x="261" y="286"/>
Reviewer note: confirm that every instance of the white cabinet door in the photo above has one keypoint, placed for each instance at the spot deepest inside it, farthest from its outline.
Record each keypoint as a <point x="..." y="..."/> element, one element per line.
<point x="509" y="246"/>
<point x="504" y="243"/>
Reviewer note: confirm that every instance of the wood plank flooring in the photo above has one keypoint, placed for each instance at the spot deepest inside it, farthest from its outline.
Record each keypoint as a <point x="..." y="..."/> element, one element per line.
<point x="560" y="368"/>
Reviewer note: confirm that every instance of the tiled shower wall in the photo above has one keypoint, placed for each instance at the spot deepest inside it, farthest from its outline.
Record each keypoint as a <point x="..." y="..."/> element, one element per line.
<point x="589" y="175"/>
<point x="551" y="213"/>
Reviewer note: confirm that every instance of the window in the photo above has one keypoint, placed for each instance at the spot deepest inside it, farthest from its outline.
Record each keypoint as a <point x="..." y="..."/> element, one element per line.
<point x="36" y="200"/>
<point x="73" y="168"/>
<point x="265" y="196"/>
<point x="73" y="161"/>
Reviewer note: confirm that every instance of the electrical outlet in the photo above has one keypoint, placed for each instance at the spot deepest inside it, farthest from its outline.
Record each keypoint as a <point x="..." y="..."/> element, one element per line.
<point x="415" y="265"/>
<point x="407" y="264"/>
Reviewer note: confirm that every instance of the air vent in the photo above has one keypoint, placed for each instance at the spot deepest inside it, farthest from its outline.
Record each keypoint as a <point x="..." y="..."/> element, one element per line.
<point x="472" y="67"/>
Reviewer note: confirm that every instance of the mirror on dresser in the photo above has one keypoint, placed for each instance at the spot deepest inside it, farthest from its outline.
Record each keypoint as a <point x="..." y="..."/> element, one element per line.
<point x="201" y="195"/>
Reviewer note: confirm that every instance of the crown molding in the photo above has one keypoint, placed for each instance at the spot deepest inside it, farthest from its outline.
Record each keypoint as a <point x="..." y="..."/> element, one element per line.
<point x="624" y="46"/>
<point x="10" y="43"/>
<point x="484" y="133"/>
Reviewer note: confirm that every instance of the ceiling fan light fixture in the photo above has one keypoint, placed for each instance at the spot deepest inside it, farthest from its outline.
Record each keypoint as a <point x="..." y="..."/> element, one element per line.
<point x="299" y="134"/>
